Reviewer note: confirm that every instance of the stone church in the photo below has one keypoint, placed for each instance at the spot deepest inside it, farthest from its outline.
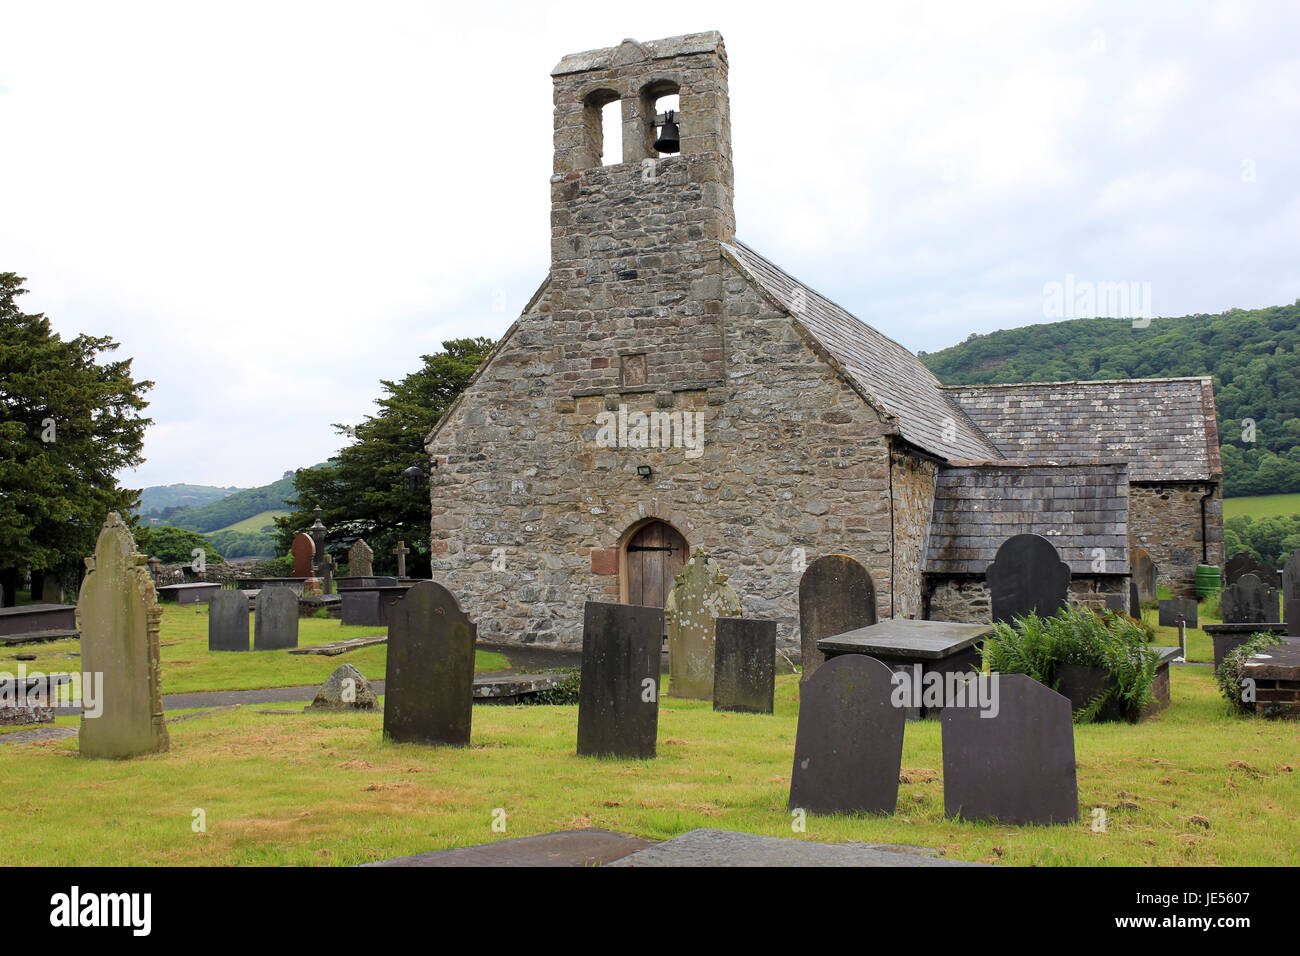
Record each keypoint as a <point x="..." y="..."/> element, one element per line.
<point x="668" y="388"/>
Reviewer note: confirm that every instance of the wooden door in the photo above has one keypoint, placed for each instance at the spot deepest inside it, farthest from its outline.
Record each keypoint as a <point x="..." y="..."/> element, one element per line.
<point x="655" y="556"/>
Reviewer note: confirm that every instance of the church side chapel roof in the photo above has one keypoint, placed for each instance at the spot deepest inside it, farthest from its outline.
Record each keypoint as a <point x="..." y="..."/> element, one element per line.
<point x="1078" y="506"/>
<point x="900" y="384"/>
<point x="1164" y="427"/>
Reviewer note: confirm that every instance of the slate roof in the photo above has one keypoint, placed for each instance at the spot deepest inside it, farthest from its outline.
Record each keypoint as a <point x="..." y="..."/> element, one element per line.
<point x="1164" y="427"/>
<point x="1078" y="506"/>
<point x="898" y="383"/>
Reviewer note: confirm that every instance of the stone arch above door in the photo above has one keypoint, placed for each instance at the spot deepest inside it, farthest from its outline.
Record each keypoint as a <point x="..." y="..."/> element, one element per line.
<point x="653" y="552"/>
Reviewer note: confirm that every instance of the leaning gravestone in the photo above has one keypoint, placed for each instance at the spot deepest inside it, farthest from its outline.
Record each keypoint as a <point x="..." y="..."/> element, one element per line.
<point x="849" y="744"/>
<point x="228" y="621"/>
<point x="1144" y="574"/>
<point x="1249" y="601"/>
<point x="118" y="616"/>
<point x="429" y="687"/>
<point x="360" y="560"/>
<point x="1015" y="767"/>
<point x="836" y="594"/>
<point x="275" y="622"/>
<point x="700" y="596"/>
<point x="1172" y="609"/>
<point x="345" y="689"/>
<point x="618" y="696"/>
<point x="744" y="669"/>
<point x="1027" y="575"/>
<point x="303" y="550"/>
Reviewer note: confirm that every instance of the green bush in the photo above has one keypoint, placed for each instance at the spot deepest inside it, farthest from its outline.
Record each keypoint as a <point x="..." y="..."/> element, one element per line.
<point x="1038" y="646"/>
<point x="566" y="692"/>
<point x="1228" y="674"/>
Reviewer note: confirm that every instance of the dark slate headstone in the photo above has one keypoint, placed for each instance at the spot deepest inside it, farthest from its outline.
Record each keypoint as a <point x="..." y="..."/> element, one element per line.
<point x="303" y="550"/>
<point x="275" y="622"/>
<point x="362" y="607"/>
<point x="429" y="689"/>
<point x="849" y="744"/>
<point x="1245" y="563"/>
<point x="1144" y="574"/>
<point x="1249" y="601"/>
<point x="836" y="594"/>
<point x="1172" y="609"/>
<point x="618" y="700"/>
<point x="1027" y="575"/>
<point x="1292" y="618"/>
<point x="1016" y="767"/>
<point x="744" y="666"/>
<point x="1134" y="601"/>
<point x="1117" y="602"/>
<point x="228" y="621"/>
<point x="1291" y="583"/>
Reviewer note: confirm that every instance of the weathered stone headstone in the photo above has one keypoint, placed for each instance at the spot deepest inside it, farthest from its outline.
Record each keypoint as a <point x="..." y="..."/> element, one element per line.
<point x="327" y="572"/>
<point x="1244" y="563"/>
<point x="744" y="669"/>
<point x="849" y="744"/>
<point x="1027" y="574"/>
<point x="1144" y="572"/>
<point x="360" y="560"/>
<point x="618" y="698"/>
<point x="228" y="621"/>
<point x="345" y="689"/>
<point x="1172" y="609"/>
<point x="700" y="596"/>
<point x="51" y="589"/>
<point x="1291" y="614"/>
<point x="1291" y="592"/>
<point x="303" y="550"/>
<point x="1017" y="766"/>
<point x="118" y="616"/>
<point x="1249" y="601"/>
<point x="275" y="622"/>
<point x="429" y="688"/>
<point x="401" y="551"/>
<point x="836" y="594"/>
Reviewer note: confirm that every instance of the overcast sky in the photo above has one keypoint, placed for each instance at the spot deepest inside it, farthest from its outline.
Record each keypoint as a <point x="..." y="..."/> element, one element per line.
<point x="273" y="206"/>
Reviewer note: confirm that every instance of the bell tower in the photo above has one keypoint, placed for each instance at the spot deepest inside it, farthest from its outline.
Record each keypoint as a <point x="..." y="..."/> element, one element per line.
<point x="636" y="267"/>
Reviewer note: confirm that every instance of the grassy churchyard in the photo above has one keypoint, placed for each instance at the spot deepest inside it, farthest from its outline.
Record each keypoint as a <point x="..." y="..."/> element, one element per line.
<point x="1194" y="784"/>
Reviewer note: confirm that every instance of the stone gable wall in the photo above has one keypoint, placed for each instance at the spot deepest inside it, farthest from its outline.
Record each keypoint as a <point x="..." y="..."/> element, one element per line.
<point x="1165" y="519"/>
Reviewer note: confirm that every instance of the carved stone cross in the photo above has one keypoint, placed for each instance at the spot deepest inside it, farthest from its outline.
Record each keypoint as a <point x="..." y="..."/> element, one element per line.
<point x="401" y="551"/>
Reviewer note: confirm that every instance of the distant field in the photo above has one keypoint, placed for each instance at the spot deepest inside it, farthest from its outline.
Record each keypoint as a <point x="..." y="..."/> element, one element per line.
<point x="1262" y="506"/>
<point x="257" y="522"/>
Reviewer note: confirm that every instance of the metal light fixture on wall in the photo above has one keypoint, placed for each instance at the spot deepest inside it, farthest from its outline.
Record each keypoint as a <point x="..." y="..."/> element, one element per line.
<point x="413" y="476"/>
<point x="644" y="471"/>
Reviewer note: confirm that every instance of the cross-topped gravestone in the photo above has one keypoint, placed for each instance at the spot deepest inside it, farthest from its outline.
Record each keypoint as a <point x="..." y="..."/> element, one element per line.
<point x="429" y="688"/>
<point x="836" y="594"/>
<point x="119" y="616"/>
<point x="228" y="621"/>
<point x="618" y="696"/>
<point x="700" y="596"/>
<point x="848" y="747"/>
<point x="1014" y="764"/>
<point x="1249" y="601"/>
<point x="744" y="669"/>
<point x="303" y="550"/>
<point x="1027" y="574"/>
<point x="401" y="551"/>
<point x="275" y="622"/>
<point x="360" y="560"/>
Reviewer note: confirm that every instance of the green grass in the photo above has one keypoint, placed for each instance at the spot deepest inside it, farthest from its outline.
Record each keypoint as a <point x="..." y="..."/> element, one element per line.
<point x="188" y="665"/>
<point x="1262" y="506"/>
<point x="327" y="790"/>
<point x="256" y="523"/>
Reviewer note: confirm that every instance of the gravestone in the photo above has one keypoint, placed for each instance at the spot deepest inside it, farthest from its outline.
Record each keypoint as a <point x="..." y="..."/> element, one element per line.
<point x="1117" y="602"/>
<point x="1291" y="592"/>
<point x="51" y="589"/>
<point x="1249" y="601"/>
<point x="1027" y="575"/>
<point x="1144" y="572"/>
<point x="618" y="697"/>
<point x="1015" y="767"/>
<point x="849" y="743"/>
<point x="744" y="669"/>
<point x="836" y="594"/>
<point x="275" y="622"/>
<point x="401" y="551"/>
<point x="1244" y="563"/>
<point x="700" y="596"/>
<point x="1291" y="614"/>
<point x="345" y="689"/>
<point x="1172" y="609"/>
<point x="429" y="689"/>
<point x="317" y="531"/>
<point x="1134" y="601"/>
<point x="119" y="616"/>
<point x="360" y="560"/>
<point x="304" y="553"/>
<point x="228" y="621"/>
<point x="327" y="570"/>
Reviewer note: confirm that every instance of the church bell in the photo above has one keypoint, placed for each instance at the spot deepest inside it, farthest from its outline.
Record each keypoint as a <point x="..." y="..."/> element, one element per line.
<point x="669" y="140"/>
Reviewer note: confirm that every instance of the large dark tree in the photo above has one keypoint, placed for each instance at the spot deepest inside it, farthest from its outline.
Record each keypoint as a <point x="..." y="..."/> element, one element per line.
<point x="68" y="425"/>
<point x="362" y="492"/>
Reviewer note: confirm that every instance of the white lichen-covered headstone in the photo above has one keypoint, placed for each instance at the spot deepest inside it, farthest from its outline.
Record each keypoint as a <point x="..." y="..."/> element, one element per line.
<point x="699" y="597"/>
<point x="119" y="616"/>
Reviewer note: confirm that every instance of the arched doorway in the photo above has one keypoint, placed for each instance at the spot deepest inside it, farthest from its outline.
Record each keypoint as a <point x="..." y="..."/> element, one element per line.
<point x="654" y="555"/>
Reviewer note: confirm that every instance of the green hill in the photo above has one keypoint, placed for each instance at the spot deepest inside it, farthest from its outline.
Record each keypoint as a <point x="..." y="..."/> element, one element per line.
<point x="236" y="508"/>
<point x="157" y="499"/>
<point x="258" y="522"/>
<point x="1252" y="356"/>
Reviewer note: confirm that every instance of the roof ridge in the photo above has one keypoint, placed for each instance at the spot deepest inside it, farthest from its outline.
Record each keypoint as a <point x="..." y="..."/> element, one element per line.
<point x="1087" y="381"/>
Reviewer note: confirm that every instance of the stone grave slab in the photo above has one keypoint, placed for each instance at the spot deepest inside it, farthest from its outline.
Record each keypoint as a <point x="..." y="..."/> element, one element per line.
<point x="1016" y="767"/>
<point x="849" y="743"/>
<point x="360" y="560"/>
<point x="618" y="705"/>
<point x="228" y="621"/>
<point x="700" y="596"/>
<point x="744" y="669"/>
<point x="708" y="847"/>
<point x="836" y="594"/>
<point x="1027" y="574"/>
<point x="275" y="622"/>
<point x="564" y="848"/>
<point x="1172" y="609"/>
<point x="34" y="618"/>
<point x="428" y="690"/>
<point x="197" y="593"/>
<point x="303" y="550"/>
<point x="119" y="616"/>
